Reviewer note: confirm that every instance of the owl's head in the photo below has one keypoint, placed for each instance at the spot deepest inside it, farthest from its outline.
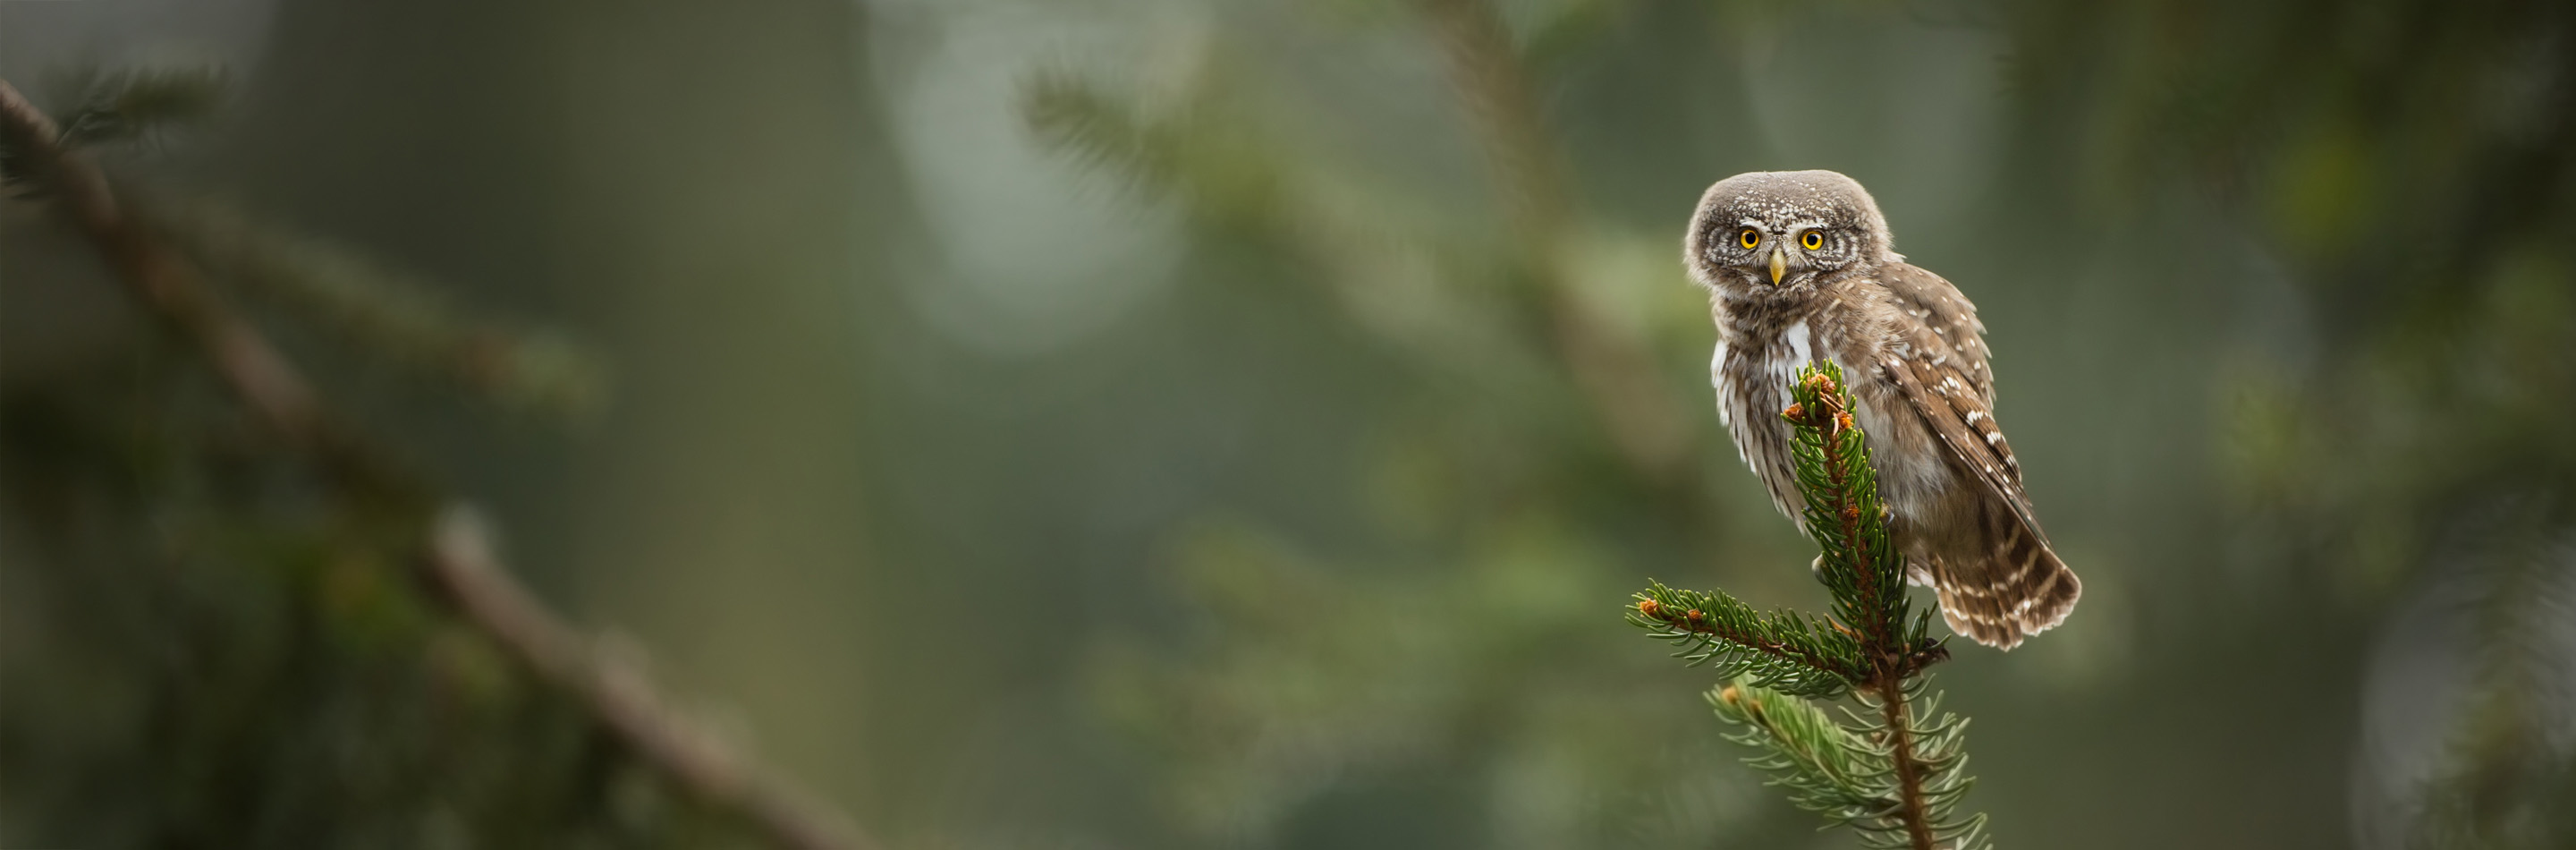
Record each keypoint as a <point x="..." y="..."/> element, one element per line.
<point x="1769" y="233"/>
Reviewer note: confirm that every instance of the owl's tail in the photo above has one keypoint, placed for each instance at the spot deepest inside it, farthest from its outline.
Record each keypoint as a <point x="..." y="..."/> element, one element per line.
<point x="2018" y="588"/>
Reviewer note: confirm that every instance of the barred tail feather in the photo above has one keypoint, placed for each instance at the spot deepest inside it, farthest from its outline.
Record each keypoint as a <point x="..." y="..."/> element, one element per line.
<point x="2018" y="588"/>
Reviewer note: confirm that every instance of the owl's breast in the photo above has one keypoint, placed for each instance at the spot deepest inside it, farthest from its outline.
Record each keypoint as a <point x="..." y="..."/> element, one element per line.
<point x="1753" y="372"/>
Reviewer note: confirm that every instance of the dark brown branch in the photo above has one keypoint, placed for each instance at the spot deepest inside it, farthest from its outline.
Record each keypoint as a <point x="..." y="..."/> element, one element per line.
<point x="459" y="562"/>
<point x="1880" y="634"/>
<point x="1915" y="814"/>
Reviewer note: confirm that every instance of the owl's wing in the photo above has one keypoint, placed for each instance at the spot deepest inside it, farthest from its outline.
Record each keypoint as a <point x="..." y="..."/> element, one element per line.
<point x="1964" y="424"/>
<point x="1941" y="371"/>
<point x="1937" y="307"/>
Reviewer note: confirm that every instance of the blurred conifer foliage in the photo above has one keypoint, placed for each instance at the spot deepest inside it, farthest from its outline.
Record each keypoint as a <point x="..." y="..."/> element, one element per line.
<point x="2411" y="167"/>
<point x="2282" y="295"/>
<point x="2402" y="166"/>
<point x="254" y="631"/>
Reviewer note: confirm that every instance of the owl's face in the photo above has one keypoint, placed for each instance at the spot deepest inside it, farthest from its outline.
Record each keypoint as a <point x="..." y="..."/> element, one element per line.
<point x="1775" y="233"/>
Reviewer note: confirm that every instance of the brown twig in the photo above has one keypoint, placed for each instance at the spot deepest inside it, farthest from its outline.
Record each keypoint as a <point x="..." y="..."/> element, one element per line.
<point x="459" y="563"/>
<point x="1878" y="632"/>
<point x="264" y="380"/>
<point x="463" y="568"/>
<point x="400" y="318"/>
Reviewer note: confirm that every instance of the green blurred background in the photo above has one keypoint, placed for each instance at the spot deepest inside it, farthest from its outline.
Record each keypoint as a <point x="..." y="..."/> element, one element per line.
<point x="1154" y="423"/>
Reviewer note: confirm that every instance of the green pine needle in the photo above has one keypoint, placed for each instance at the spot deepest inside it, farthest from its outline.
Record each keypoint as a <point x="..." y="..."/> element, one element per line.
<point x="127" y="105"/>
<point x="1782" y="650"/>
<point x="1895" y="769"/>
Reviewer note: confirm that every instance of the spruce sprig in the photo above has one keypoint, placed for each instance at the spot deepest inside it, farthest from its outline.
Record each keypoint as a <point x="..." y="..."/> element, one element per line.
<point x="104" y="107"/>
<point x="1894" y="770"/>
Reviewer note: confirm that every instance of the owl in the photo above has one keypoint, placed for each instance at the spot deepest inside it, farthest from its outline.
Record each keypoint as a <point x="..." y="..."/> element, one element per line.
<point x="1798" y="266"/>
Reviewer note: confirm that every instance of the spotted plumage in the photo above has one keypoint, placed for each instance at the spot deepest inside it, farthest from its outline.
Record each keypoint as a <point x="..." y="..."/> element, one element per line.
<point x="1799" y="267"/>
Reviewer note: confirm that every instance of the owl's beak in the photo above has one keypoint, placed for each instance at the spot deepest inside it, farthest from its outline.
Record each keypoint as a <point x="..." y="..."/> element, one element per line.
<point x="1779" y="265"/>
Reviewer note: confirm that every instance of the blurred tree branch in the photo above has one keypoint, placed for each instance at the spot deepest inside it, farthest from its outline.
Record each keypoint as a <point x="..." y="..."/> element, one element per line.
<point x="471" y="578"/>
<point x="378" y="309"/>
<point x="1618" y="374"/>
<point x="43" y="160"/>
<point x="41" y="157"/>
<point x="1240" y="174"/>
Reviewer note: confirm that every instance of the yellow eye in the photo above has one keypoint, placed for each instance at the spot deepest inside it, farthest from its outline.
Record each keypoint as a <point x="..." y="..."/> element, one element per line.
<point x="1748" y="238"/>
<point x="1813" y="240"/>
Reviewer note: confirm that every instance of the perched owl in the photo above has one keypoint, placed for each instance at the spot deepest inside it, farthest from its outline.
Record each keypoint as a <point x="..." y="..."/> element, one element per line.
<point x="1799" y="268"/>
